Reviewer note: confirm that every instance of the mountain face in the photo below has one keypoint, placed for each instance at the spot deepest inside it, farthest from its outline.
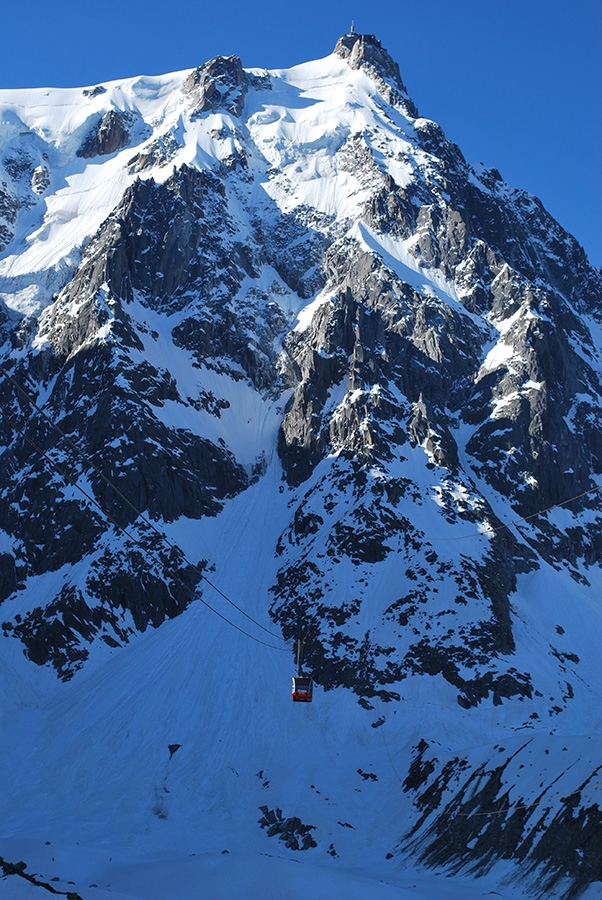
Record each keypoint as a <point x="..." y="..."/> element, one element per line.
<point x="268" y="331"/>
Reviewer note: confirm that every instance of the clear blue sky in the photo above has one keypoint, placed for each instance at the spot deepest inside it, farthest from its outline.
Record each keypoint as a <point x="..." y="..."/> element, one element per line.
<point x="517" y="84"/>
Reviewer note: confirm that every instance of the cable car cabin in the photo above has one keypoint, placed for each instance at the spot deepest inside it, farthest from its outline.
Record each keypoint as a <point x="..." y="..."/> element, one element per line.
<point x="302" y="689"/>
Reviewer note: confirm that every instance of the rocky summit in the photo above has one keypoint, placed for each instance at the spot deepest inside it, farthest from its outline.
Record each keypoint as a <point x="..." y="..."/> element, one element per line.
<point x="277" y="364"/>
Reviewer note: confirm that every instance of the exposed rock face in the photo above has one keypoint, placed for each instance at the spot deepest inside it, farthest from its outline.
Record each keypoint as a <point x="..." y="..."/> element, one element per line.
<point x="101" y="393"/>
<point x="220" y="83"/>
<point x="94" y="91"/>
<point x="111" y="134"/>
<point x="450" y="824"/>
<point x="9" y="207"/>
<point x="24" y="178"/>
<point x="40" y="179"/>
<point x="155" y="155"/>
<point x="291" y="831"/>
<point x="365" y="51"/>
<point x="411" y="345"/>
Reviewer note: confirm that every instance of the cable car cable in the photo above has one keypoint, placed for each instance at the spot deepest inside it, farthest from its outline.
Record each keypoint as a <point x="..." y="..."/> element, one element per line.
<point x="135" y="540"/>
<point x="541" y="512"/>
<point x="508" y="809"/>
<point x="124" y="530"/>
<point x="201" y="574"/>
<point x="178" y="549"/>
<point x="134" y="509"/>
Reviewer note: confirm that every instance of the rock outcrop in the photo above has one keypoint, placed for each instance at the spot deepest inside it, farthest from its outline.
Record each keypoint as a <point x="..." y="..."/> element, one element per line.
<point x="110" y="135"/>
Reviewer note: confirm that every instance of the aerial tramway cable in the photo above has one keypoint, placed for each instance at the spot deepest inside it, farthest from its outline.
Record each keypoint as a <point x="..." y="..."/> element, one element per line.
<point x="135" y="540"/>
<point x="44" y="453"/>
<point x="302" y="688"/>
<point x="164" y="537"/>
<point x="510" y="808"/>
<point x="134" y="509"/>
<point x="173" y="546"/>
<point x="541" y="512"/>
<point x="139" y="514"/>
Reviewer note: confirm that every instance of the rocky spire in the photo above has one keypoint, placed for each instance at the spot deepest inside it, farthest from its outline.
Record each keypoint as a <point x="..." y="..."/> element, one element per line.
<point x="364" y="51"/>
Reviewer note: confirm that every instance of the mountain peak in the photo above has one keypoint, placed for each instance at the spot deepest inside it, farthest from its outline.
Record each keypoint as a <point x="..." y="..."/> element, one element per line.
<point x="365" y="51"/>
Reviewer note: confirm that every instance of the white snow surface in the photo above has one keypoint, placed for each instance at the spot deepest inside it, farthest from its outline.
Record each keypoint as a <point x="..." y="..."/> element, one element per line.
<point x="298" y="131"/>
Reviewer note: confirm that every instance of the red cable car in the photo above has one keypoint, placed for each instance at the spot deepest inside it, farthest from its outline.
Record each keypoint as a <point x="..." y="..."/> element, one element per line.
<point x="302" y="689"/>
<point x="302" y="684"/>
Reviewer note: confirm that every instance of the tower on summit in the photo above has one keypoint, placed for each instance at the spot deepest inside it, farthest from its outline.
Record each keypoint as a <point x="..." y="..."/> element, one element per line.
<point x="352" y="29"/>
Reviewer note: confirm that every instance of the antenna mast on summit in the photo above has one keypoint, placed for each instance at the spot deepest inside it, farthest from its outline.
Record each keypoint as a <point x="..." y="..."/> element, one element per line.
<point x="352" y="31"/>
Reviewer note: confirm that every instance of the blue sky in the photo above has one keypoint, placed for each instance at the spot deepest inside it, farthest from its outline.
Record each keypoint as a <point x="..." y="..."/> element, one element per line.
<point x="517" y="84"/>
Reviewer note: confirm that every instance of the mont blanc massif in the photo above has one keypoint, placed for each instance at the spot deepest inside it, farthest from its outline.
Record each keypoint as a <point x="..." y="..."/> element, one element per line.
<point x="279" y="365"/>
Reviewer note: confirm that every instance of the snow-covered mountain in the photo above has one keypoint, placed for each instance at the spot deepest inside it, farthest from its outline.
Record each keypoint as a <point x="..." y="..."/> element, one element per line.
<point x="278" y="363"/>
